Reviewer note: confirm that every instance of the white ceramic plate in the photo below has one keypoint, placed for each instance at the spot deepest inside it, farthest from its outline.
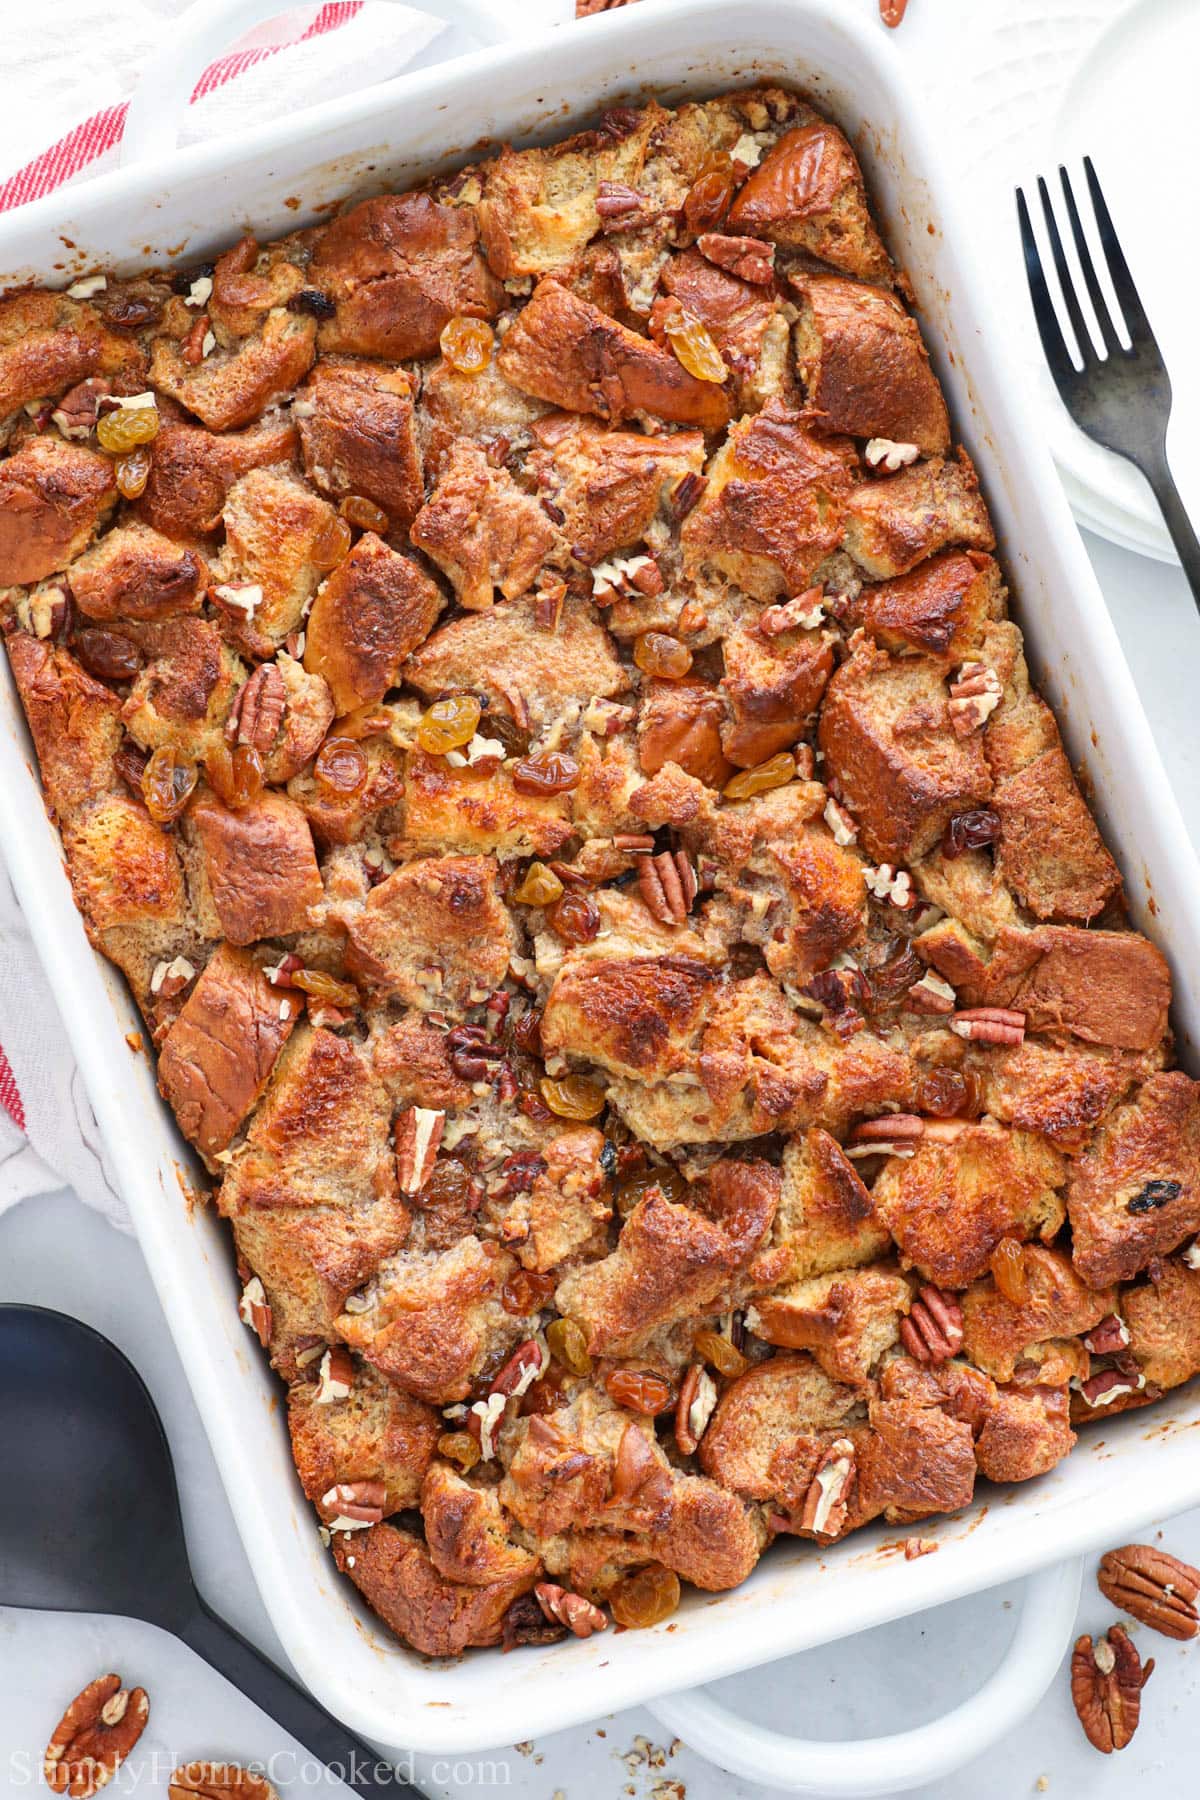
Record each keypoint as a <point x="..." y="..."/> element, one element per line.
<point x="1050" y="81"/>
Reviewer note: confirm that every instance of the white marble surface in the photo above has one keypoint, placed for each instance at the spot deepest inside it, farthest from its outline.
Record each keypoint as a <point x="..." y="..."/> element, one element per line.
<point x="55" y="1253"/>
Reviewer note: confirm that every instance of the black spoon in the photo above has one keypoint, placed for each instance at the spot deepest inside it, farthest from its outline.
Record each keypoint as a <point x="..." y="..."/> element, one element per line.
<point x="93" y="1525"/>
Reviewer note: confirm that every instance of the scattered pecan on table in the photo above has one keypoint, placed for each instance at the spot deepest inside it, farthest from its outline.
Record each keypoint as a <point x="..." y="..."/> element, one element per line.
<point x="1152" y="1587"/>
<point x="94" y="1736"/>
<point x="1107" y="1678"/>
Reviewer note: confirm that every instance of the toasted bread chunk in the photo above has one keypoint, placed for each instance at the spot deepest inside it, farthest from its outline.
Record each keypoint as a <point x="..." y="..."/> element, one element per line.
<point x="680" y="724"/>
<point x="394" y="1572"/>
<point x="1135" y="1192"/>
<point x="807" y="194"/>
<point x="1027" y="1431"/>
<point x="815" y="902"/>
<point x="434" y="933"/>
<point x="847" y="1318"/>
<point x="529" y="674"/>
<point x="565" y="350"/>
<point x="564" y="1213"/>
<point x="765" y="1415"/>
<point x="743" y="319"/>
<point x="272" y="527"/>
<point x="374" y="1433"/>
<point x="232" y="388"/>
<point x="285" y="720"/>
<point x="368" y="616"/>
<point x="127" y="878"/>
<point x="773" y="507"/>
<point x="969" y="888"/>
<point x="344" y="818"/>
<point x="412" y="1058"/>
<point x="48" y="342"/>
<point x="710" y="1538"/>
<point x="134" y="572"/>
<point x="216" y="1059"/>
<point x="864" y="367"/>
<point x="895" y="522"/>
<point x="183" y="694"/>
<point x="998" y="1334"/>
<point x="915" y="1462"/>
<point x="1163" y="1317"/>
<point x="1063" y="1091"/>
<point x="74" y="719"/>
<point x="902" y="770"/>
<point x="260" y="865"/>
<point x="672" y="1260"/>
<point x="1106" y="987"/>
<point x="637" y="1016"/>
<point x="482" y="530"/>
<point x="248" y="281"/>
<point x="486" y="408"/>
<point x="949" y="1206"/>
<point x="609" y="485"/>
<point x="468" y="1533"/>
<point x="773" y="685"/>
<point x="460" y="810"/>
<point x="193" y="471"/>
<point x="826" y="1219"/>
<point x="358" y="435"/>
<point x="1050" y="852"/>
<point x="53" y="499"/>
<point x="941" y="608"/>
<point x="400" y="268"/>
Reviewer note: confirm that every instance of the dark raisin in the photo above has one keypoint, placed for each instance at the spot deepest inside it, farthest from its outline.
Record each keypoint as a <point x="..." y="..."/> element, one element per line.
<point x="313" y="302"/>
<point x="107" y="654"/>
<point x="130" y="312"/>
<point x="608" y="1158"/>
<point x="970" y="831"/>
<point x="130" y="762"/>
<point x="1155" y="1193"/>
<point x="181" y="281"/>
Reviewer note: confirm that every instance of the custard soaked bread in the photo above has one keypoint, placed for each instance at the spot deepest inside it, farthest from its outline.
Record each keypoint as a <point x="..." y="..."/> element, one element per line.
<point x="523" y="677"/>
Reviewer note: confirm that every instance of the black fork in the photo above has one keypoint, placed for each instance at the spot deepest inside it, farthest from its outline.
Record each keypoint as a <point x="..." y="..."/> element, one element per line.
<point x="1123" y="397"/>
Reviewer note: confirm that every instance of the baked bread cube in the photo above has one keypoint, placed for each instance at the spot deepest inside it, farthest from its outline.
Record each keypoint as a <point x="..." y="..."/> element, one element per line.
<point x="248" y="281"/>
<point x="1062" y="1091"/>
<point x="743" y="318"/>
<point x="914" y="1462"/>
<point x="848" y="1319"/>
<point x="235" y="386"/>
<point x="1000" y="1334"/>
<point x="941" y="608"/>
<point x="807" y="194"/>
<point x="609" y="485"/>
<point x="895" y="521"/>
<point x="774" y="505"/>
<point x="901" y="768"/>
<point x="54" y="497"/>
<point x="1049" y="851"/>
<point x="468" y="1532"/>
<point x="395" y="1574"/>
<point x="565" y="350"/>
<point x="75" y="722"/>
<point x="434" y="934"/>
<point x="679" y="726"/>
<point x="193" y="470"/>
<point x="1104" y="987"/>
<point x="133" y="572"/>
<point x="358" y="436"/>
<point x="562" y="1216"/>
<point x="348" y="1424"/>
<point x="185" y="690"/>
<point x="1135" y="1192"/>
<point x="269" y="568"/>
<point x="482" y="530"/>
<point x="949" y="1205"/>
<point x="283" y="713"/>
<point x="772" y="686"/>
<point x="864" y="368"/>
<point x="375" y="807"/>
<point x="1026" y="1432"/>
<point x="1163" y="1319"/>
<point x="478" y="812"/>
<point x="368" y="616"/>
<point x="825" y="1221"/>
<point x="217" y="1057"/>
<point x="259" y="864"/>
<point x="48" y="342"/>
<point x="772" y="1424"/>
<point x="484" y="408"/>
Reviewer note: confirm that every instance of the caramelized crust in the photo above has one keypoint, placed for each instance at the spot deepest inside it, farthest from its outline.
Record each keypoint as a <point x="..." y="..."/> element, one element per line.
<point x="1135" y="1192"/>
<point x="367" y="618"/>
<point x="807" y="194"/>
<point x="434" y="934"/>
<point x="358" y="436"/>
<point x="48" y="342"/>
<point x="942" y="608"/>
<point x="609" y="485"/>
<point x="215" y="1060"/>
<point x="235" y="387"/>
<point x="193" y="470"/>
<point x="260" y="866"/>
<point x="135" y="573"/>
<point x="395" y="1573"/>
<point x="895" y="522"/>
<point x="376" y="1432"/>
<point x="999" y="1333"/>
<point x="53" y="498"/>
<point x="481" y="530"/>
<point x="864" y="367"/>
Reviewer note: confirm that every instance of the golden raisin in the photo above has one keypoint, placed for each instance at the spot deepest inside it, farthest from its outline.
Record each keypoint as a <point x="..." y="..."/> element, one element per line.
<point x="459" y="1447"/>
<point x="467" y="344"/>
<point x="133" y="472"/>
<point x="635" y="1187"/>
<point x="449" y="724"/>
<point x="640" y="1390"/>
<point x="567" y="1341"/>
<point x="1007" y="1263"/>
<point x="572" y="1097"/>
<point x="364" y="513"/>
<point x="237" y="776"/>
<point x="694" y="346"/>
<point x="646" y="1598"/>
<point x="541" y="887"/>
<point x="527" y="1292"/>
<point x="948" y="1093"/>
<point x="341" y="767"/>
<point x="331" y="544"/>
<point x="168" y="783"/>
<point x="449" y="1184"/>
<point x="707" y="200"/>
<point x="128" y="427"/>
<point x="323" y="987"/>
<point x="777" y="771"/>
<point x="725" y="1357"/>
<point x="576" y="917"/>
<point x="658" y="654"/>
<point x="549" y="772"/>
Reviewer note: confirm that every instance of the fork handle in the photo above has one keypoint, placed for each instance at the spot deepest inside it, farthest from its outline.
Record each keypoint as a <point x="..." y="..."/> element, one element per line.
<point x="1183" y="534"/>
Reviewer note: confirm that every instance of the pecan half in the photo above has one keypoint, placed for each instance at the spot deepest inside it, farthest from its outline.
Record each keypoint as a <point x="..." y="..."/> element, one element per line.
<point x="933" y="1330"/>
<point x="989" y="1025"/>
<point x="1108" y="1337"/>
<point x="1109" y="1385"/>
<point x="418" y="1134"/>
<point x="667" y="883"/>
<point x="746" y="257"/>
<point x="827" y="1501"/>
<point x="94" y="1736"/>
<point x="75" y="414"/>
<point x="1156" y="1589"/>
<point x="694" y="1408"/>
<point x="931" y="995"/>
<point x="618" y="205"/>
<point x="1107" y="1679"/>
<point x="351" y="1505"/>
<point x="572" y="1610"/>
<point x="527" y="1364"/>
<point x="218" y="1781"/>
<point x="893" y="1134"/>
<point x="257" y="712"/>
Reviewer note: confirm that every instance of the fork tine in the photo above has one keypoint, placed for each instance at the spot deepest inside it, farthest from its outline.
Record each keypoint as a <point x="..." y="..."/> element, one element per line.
<point x="1049" y="329"/>
<point x="1083" y="341"/>
<point x="1108" y="336"/>
<point x="1123" y="283"/>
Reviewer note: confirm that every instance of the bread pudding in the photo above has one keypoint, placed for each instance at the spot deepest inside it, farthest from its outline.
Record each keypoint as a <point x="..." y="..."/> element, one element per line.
<point x="524" y="683"/>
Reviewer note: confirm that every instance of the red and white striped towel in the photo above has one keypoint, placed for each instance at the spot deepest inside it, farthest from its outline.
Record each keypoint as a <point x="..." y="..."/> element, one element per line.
<point x="68" y="72"/>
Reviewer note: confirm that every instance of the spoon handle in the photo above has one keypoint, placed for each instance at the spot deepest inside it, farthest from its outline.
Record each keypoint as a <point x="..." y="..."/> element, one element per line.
<point x="363" y="1770"/>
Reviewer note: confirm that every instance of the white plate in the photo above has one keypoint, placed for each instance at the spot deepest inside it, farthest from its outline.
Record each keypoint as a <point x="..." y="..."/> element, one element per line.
<point x="1050" y="81"/>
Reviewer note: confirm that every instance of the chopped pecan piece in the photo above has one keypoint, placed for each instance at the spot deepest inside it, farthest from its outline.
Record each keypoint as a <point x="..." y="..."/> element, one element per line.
<point x="572" y="1610"/>
<point x="933" y="1330"/>
<point x="827" y="1499"/>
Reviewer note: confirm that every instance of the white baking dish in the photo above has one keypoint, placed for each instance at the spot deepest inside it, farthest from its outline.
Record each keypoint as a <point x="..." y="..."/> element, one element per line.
<point x="1141" y="1465"/>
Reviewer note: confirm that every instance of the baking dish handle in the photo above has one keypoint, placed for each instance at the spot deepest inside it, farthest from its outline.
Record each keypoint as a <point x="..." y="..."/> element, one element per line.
<point x="208" y="27"/>
<point x="908" y="1759"/>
